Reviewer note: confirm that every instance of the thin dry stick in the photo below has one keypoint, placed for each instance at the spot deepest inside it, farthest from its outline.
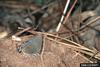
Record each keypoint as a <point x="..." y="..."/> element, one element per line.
<point x="26" y="29"/>
<point x="70" y="46"/>
<point x="92" y="54"/>
<point x="43" y="51"/>
<point x="44" y="37"/>
<point x="85" y="57"/>
<point x="63" y="15"/>
<point x="92" y="21"/>
<point x="73" y="44"/>
<point x="66" y="18"/>
<point x="72" y="32"/>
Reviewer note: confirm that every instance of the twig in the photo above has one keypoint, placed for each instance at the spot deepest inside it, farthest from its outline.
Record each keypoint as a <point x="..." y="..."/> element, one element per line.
<point x="70" y="45"/>
<point x="66" y="18"/>
<point x="73" y="33"/>
<point x="43" y="51"/>
<point x="63" y="22"/>
<point x="26" y="29"/>
<point x="92" y="54"/>
<point x="84" y="57"/>
<point x="62" y="17"/>
<point x="44" y="37"/>
<point x="92" y="21"/>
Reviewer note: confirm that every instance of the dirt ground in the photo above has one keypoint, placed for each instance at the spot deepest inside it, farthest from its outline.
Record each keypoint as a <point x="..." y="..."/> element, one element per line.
<point x="53" y="55"/>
